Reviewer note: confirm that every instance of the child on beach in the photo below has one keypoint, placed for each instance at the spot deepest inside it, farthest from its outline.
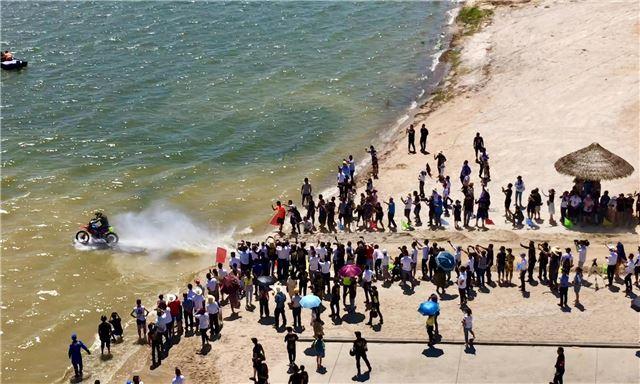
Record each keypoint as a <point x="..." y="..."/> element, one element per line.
<point x="467" y="327"/>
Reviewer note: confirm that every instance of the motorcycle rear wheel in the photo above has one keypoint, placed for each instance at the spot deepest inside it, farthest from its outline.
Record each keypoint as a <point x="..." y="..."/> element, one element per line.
<point x="111" y="238"/>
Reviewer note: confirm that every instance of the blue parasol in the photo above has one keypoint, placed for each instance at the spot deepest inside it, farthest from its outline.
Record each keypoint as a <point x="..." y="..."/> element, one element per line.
<point x="310" y="301"/>
<point x="446" y="261"/>
<point x="429" y="308"/>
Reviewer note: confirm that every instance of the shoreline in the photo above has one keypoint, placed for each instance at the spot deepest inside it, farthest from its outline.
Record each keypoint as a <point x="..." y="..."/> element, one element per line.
<point x="387" y="159"/>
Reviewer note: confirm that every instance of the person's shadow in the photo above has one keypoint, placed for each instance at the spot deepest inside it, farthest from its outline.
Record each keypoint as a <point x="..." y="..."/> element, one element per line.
<point x="580" y="307"/>
<point x="433" y="352"/>
<point x="470" y="350"/>
<point x="353" y="318"/>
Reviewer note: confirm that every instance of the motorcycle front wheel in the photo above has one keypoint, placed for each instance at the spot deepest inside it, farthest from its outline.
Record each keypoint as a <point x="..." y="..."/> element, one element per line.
<point x="83" y="237"/>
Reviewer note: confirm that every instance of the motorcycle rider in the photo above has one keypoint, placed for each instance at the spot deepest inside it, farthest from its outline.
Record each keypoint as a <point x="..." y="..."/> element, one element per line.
<point x="99" y="224"/>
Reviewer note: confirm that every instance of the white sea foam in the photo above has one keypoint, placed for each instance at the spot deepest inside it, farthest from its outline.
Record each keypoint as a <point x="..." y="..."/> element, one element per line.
<point x="162" y="229"/>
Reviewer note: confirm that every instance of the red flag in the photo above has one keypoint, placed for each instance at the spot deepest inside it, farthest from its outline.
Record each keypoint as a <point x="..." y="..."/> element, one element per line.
<point x="221" y="255"/>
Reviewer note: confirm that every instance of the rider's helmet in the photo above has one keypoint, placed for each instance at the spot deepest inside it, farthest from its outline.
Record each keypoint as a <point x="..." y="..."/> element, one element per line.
<point x="98" y="214"/>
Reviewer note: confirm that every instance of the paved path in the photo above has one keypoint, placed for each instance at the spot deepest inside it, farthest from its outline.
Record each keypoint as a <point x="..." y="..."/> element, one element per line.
<point x="413" y="363"/>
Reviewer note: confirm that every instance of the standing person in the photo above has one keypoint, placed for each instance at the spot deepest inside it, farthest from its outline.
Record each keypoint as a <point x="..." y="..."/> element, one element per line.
<point x="281" y="213"/>
<point x="478" y="144"/>
<point x="501" y="259"/>
<point x="375" y="306"/>
<point x="424" y="132"/>
<point x="551" y="205"/>
<point x="405" y="272"/>
<point x="319" y="348"/>
<point x="612" y="261"/>
<point x="557" y="377"/>
<point x="462" y="286"/>
<point x="531" y="254"/>
<point x="202" y="318"/>
<point x="581" y="247"/>
<point x="104" y="333"/>
<point x="577" y="284"/>
<point x="280" y="299"/>
<point x="155" y="341"/>
<point x="411" y="139"/>
<point x="510" y="260"/>
<point x="522" y="268"/>
<point x="140" y="313"/>
<point x="290" y="339"/>
<point x="467" y="327"/>
<point x="408" y="203"/>
<point x="257" y="356"/>
<point x="335" y="300"/>
<point x="465" y="172"/>
<point x="213" y="310"/>
<point x="366" y="279"/>
<point x="440" y="161"/>
<point x="519" y="190"/>
<point x="628" y="272"/>
<point x="187" y="310"/>
<point x="306" y="190"/>
<point x="564" y="288"/>
<point x="391" y="212"/>
<point x="359" y="350"/>
<point x="75" y="354"/>
<point x="507" y="200"/>
<point x="296" y="309"/>
<point x="263" y="373"/>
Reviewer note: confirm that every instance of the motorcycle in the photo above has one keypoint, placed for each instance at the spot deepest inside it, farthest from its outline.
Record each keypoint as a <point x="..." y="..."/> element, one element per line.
<point x="87" y="233"/>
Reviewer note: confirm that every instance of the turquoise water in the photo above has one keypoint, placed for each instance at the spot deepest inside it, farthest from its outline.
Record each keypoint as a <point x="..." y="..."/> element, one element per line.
<point x="207" y="111"/>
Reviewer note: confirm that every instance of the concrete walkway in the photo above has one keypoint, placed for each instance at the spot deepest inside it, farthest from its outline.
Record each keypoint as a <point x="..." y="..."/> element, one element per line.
<point x="413" y="363"/>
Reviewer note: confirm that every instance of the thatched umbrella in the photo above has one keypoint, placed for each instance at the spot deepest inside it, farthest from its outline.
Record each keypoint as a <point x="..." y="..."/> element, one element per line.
<point x="593" y="163"/>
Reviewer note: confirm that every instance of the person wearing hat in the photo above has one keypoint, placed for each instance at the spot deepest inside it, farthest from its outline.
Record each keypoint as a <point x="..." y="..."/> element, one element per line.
<point x="359" y="350"/>
<point x="75" y="354"/>
<point x="104" y="333"/>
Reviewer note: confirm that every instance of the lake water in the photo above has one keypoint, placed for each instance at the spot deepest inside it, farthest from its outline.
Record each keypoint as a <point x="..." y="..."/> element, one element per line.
<point x="182" y="122"/>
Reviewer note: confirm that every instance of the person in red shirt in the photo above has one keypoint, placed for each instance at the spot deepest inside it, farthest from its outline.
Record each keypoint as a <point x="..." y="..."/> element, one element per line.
<point x="281" y="212"/>
<point x="175" y="307"/>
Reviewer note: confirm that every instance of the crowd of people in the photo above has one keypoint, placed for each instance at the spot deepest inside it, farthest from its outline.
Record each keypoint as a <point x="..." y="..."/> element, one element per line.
<point x="347" y="210"/>
<point x="278" y="274"/>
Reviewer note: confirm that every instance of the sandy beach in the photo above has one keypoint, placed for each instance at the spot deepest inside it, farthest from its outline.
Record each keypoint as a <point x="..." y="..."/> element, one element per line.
<point x="540" y="80"/>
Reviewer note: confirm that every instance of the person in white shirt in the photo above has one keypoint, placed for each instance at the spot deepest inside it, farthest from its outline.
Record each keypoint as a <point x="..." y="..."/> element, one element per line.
<point x="213" y="309"/>
<point x="462" y="286"/>
<point x="385" y="265"/>
<point x="202" y="318"/>
<point x="314" y="265"/>
<point x="405" y="271"/>
<point x="629" y="270"/>
<point x="467" y="327"/>
<point x="212" y="285"/>
<point x="234" y="262"/>
<point x="325" y="269"/>
<point x="519" y="186"/>
<point x="198" y="300"/>
<point x="378" y="256"/>
<point x="425" y="259"/>
<point x="522" y="268"/>
<point x="581" y="248"/>
<point x="179" y="379"/>
<point x="367" y="278"/>
<point x="283" y="251"/>
<point x="612" y="261"/>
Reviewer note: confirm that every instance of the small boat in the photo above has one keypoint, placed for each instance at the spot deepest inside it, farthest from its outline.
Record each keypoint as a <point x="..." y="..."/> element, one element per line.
<point x="13" y="64"/>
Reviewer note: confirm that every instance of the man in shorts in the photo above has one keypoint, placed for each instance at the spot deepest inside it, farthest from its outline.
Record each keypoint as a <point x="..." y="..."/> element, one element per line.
<point x="140" y="313"/>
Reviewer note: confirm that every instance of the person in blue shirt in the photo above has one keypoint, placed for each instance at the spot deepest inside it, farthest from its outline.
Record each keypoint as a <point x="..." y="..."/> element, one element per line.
<point x="564" y="288"/>
<point x="465" y="171"/>
<point x="391" y="211"/>
<point x="75" y="354"/>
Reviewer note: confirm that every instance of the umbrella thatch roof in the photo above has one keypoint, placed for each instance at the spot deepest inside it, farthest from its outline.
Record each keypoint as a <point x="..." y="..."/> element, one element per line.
<point x="594" y="163"/>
